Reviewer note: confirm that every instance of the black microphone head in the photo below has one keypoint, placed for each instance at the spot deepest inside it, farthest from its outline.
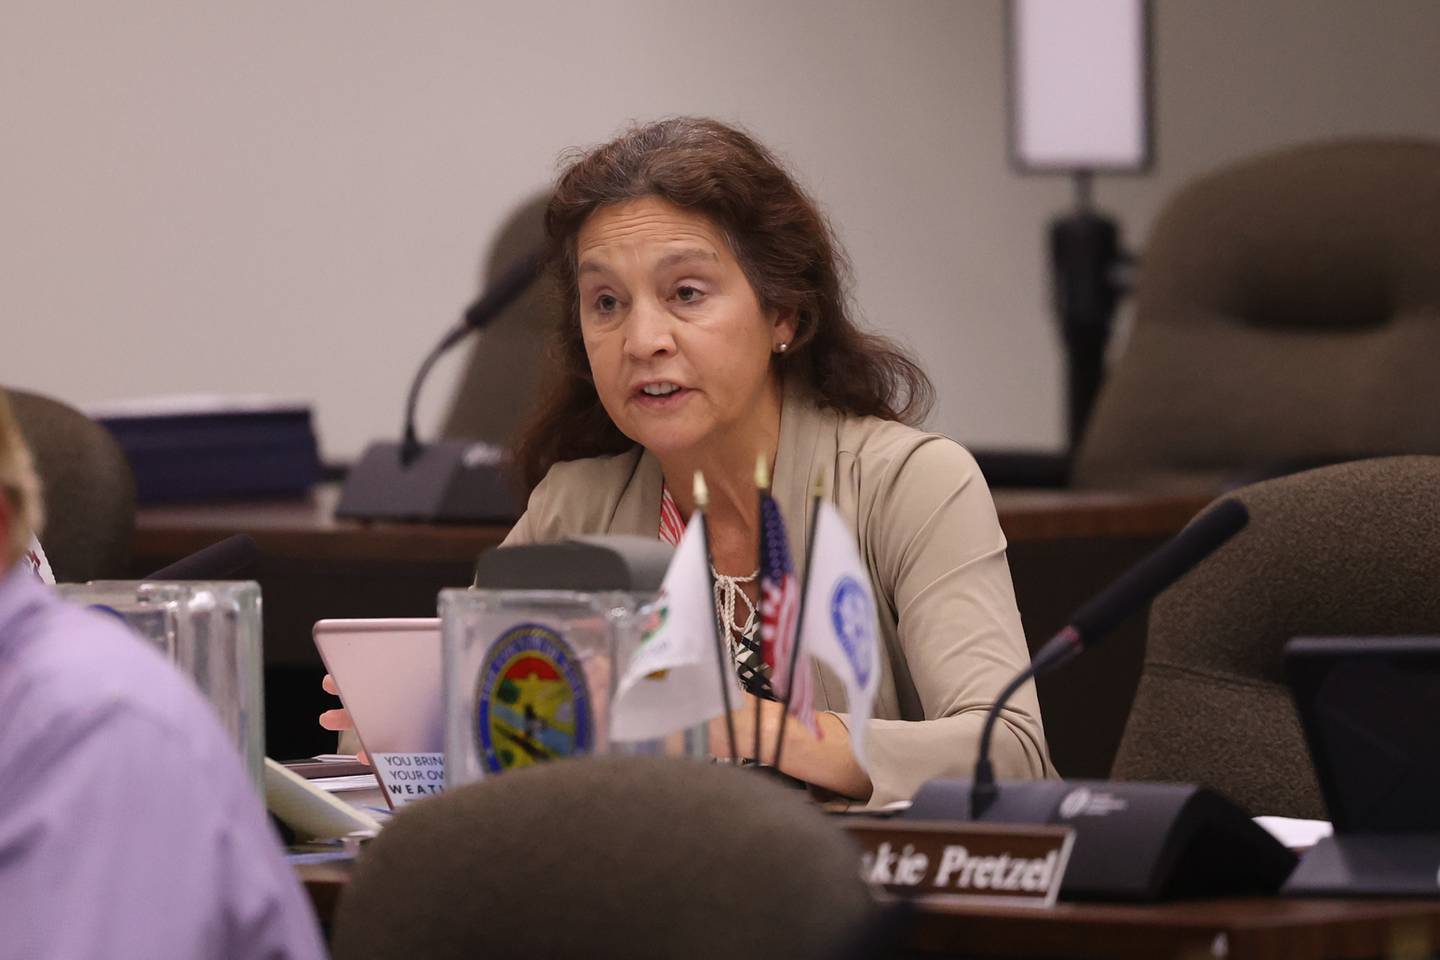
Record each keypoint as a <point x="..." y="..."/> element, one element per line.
<point x="505" y="289"/>
<point x="1149" y="577"/>
<point x="225" y="560"/>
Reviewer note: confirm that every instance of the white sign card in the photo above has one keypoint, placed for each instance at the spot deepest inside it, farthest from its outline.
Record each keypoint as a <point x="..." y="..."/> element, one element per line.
<point x="407" y="777"/>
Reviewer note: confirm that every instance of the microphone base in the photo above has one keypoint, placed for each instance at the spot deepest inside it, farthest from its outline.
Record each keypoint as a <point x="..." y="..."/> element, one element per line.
<point x="449" y="482"/>
<point x="1133" y="841"/>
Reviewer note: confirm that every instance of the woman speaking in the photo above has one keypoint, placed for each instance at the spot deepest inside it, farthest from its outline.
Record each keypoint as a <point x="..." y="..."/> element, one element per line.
<point x="705" y="322"/>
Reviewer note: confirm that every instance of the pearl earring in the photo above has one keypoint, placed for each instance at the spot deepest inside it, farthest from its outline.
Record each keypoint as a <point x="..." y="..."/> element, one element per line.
<point x="782" y="348"/>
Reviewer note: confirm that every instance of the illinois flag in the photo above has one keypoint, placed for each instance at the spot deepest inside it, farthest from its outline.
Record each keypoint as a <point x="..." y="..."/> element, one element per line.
<point x="839" y="625"/>
<point x="673" y="681"/>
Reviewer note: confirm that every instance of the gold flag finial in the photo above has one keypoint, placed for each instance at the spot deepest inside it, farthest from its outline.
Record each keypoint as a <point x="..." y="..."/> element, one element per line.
<point x="762" y="472"/>
<point x="819" y="490"/>
<point x="702" y="492"/>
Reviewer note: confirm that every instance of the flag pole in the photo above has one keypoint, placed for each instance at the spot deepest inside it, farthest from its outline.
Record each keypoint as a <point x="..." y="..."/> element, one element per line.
<point x="762" y="486"/>
<point x="722" y="648"/>
<point x="818" y="495"/>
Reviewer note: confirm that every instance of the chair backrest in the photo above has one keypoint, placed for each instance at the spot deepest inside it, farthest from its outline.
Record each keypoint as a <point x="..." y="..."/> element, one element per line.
<point x="87" y="486"/>
<point x="502" y="378"/>
<point x="1287" y="314"/>
<point x="607" y="856"/>
<point x="1347" y="550"/>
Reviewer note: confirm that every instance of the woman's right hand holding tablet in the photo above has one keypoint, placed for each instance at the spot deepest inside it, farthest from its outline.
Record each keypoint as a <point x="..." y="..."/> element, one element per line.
<point x="339" y="719"/>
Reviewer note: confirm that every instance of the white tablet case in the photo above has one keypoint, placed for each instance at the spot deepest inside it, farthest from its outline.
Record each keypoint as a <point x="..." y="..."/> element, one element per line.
<point x="388" y="673"/>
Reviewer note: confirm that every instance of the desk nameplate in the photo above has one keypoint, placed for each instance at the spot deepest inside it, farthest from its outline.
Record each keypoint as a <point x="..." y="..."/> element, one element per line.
<point x="981" y="863"/>
<point x="407" y="777"/>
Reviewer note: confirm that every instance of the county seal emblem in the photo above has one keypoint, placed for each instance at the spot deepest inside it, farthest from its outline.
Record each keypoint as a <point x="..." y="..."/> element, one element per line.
<point x="532" y="703"/>
<point x="853" y="616"/>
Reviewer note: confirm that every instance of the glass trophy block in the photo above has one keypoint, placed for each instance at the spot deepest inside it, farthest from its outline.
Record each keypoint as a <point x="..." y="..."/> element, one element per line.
<point x="212" y="632"/>
<point x="530" y="675"/>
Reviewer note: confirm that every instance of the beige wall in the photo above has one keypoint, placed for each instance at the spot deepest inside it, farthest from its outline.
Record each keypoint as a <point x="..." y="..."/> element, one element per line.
<point x="296" y="198"/>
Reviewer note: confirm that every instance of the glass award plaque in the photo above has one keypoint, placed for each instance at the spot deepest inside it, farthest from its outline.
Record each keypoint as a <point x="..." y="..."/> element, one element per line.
<point x="530" y="676"/>
<point x="212" y="632"/>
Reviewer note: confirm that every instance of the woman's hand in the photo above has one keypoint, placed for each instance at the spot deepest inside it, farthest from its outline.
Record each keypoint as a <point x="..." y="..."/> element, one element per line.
<point x="338" y="720"/>
<point x="744" y="717"/>
<point x="826" y="761"/>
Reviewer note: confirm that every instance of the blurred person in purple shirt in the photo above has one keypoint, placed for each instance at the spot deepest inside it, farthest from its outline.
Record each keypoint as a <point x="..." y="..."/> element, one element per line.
<point x="128" y="828"/>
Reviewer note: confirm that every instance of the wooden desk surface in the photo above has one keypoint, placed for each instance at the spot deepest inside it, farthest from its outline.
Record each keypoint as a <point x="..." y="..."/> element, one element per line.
<point x="308" y="528"/>
<point x="1028" y="516"/>
<point x="1254" y="929"/>
<point x="1064" y="546"/>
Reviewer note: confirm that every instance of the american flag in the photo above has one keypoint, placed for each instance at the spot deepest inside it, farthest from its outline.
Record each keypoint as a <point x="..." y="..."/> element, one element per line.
<point x="780" y="612"/>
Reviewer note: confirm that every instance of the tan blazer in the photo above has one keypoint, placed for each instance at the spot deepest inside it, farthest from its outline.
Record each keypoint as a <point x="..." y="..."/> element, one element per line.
<point x="927" y="531"/>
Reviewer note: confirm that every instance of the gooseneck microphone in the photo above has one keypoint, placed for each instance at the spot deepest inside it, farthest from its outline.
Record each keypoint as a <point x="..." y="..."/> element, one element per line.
<point x="445" y="481"/>
<point x="1131" y="841"/>
<point x="1093" y="621"/>
<point x="220" y="561"/>
<point x="500" y="294"/>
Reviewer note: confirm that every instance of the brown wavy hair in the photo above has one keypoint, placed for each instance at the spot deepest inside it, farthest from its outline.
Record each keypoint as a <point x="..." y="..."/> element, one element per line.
<point x="20" y="485"/>
<point x="782" y="242"/>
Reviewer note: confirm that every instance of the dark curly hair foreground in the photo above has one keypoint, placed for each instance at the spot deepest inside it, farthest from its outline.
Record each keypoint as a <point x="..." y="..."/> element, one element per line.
<point x="783" y="244"/>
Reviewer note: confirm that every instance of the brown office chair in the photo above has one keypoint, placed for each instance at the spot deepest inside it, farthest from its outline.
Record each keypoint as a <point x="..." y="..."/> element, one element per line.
<point x="1287" y="315"/>
<point x="1347" y="550"/>
<point x="607" y="856"/>
<point x="87" y="486"/>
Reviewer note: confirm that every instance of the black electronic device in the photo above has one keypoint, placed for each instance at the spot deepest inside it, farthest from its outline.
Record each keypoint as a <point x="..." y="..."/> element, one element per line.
<point x="455" y="481"/>
<point x="1133" y="841"/>
<point x="228" y="559"/>
<point x="1368" y="708"/>
<point x="599" y="562"/>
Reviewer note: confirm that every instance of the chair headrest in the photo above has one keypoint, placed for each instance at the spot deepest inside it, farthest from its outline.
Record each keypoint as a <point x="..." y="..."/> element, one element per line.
<point x="1331" y="235"/>
<point x="661" y="857"/>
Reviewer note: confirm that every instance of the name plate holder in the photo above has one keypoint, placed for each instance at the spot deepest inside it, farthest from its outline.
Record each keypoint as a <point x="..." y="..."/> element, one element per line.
<point x="964" y="862"/>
